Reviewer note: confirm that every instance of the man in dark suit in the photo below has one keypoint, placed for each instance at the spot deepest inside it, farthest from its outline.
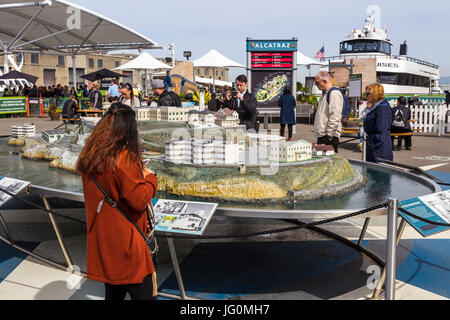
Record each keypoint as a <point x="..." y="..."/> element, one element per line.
<point x="245" y="104"/>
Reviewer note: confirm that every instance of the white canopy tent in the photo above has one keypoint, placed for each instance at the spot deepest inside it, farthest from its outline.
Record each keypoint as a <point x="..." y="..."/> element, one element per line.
<point x="220" y="83"/>
<point x="215" y="60"/>
<point x="303" y="60"/>
<point x="144" y="62"/>
<point x="63" y="28"/>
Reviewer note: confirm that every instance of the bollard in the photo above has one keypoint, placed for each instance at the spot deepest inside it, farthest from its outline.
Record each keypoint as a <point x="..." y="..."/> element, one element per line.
<point x="391" y="249"/>
<point x="28" y="107"/>
<point x="42" y="106"/>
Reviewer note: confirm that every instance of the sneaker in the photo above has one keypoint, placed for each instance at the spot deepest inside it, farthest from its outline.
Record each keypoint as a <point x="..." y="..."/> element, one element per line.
<point x="409" y="148"/>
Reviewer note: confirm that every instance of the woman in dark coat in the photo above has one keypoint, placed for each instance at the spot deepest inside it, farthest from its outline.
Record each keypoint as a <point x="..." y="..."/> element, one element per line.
<point x="287" y="104"/>
<point x="377" y="125"/>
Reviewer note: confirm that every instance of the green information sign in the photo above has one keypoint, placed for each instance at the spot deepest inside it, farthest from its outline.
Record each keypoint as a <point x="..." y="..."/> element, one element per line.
<point x="13" y="105"/>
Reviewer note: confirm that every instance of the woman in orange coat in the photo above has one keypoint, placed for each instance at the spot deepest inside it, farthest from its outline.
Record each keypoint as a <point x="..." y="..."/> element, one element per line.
<point x="117" y="254"/>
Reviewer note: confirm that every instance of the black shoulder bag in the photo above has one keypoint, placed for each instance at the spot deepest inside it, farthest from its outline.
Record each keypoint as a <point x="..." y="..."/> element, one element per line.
<point x="150" y="239"/>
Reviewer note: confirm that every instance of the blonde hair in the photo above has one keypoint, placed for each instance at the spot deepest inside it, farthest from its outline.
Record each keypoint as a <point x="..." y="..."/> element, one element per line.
<point x="96" y="85"/>
<point x="377" y="91"/>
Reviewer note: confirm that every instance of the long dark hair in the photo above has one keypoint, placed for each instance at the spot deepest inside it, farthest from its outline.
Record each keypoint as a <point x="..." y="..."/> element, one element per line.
<point x="115" y="133"/>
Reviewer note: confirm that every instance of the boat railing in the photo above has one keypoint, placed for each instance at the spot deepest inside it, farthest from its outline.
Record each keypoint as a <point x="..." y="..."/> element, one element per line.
<point x="422" y="62"/>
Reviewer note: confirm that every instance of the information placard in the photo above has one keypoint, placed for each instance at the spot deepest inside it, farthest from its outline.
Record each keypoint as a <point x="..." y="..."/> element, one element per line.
<point x="434" y="207"/>
<point x="13" y="105"/>
<point x="13" y="186"/>
<point x="355" y="86"/>
<point x="185" y="217"/>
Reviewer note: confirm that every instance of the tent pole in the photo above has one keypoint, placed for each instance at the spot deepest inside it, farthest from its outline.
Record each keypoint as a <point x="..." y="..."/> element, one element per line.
<point x="74" y="68"/>
<point x="5" y="64"/>
<point x="214" y="79"/>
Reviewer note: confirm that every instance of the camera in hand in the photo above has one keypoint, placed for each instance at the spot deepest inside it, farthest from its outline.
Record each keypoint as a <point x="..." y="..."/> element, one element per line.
<point x="234" y="91"/>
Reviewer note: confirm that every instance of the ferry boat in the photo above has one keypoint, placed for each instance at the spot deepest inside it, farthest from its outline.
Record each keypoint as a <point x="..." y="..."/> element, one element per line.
<point x="398" y="74"/>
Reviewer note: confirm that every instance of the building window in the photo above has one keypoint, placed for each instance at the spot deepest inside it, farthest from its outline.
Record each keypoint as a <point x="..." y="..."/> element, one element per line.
<point x="61" y="61"/>
<point x="19" y="57"/>
<point x="117" y="64"/>
<point x="91" y="63"/>
<point x="100" y="63"/>
<point x="35" y="58"/>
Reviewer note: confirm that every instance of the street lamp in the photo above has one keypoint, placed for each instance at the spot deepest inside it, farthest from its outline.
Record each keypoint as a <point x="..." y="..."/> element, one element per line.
<point x="187" y="54"/>
<point x="172" y="49"/>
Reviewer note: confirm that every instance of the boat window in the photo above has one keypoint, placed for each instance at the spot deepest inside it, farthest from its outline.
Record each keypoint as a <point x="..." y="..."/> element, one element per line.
<point x="365" y="46"/>
<point x="403" y="79"/>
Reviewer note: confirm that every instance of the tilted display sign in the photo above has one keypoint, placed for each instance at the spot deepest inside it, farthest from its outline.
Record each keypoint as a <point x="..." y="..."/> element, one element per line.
<point x="13" y="105"/>
<point x="186" y="217"/>
<point x="272" y="65"/>
<point x="433" y="207"/>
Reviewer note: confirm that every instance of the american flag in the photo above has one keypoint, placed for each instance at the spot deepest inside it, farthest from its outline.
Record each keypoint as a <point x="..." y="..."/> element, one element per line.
<point x="321" y="53"/>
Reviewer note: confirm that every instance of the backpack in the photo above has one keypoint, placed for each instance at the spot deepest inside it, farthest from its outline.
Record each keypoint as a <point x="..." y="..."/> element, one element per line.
<point x="176" y="99"/>
<point x="347" y="107"/>
<point x="399" y="120"/>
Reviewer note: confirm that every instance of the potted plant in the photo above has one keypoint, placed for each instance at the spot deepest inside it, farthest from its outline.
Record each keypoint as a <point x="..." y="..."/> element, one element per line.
<point x="53" y="112"/>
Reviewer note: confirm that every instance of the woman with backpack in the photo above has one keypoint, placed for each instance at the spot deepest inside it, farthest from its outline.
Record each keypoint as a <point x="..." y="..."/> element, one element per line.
<point x="400" y="123"/>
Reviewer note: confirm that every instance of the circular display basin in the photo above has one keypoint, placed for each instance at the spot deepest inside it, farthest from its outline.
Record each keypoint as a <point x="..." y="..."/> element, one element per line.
<point x="383" y="183"/>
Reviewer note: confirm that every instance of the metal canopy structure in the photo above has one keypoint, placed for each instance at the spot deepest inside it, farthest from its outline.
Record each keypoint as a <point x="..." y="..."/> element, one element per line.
<point x="63" y="28"/>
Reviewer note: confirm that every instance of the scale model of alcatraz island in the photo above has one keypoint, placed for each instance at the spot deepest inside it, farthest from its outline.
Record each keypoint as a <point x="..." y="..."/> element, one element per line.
<point x="224" y="163"/>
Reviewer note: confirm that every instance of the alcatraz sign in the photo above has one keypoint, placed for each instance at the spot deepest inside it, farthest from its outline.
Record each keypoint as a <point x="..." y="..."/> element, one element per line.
<point x="271" y="45"/>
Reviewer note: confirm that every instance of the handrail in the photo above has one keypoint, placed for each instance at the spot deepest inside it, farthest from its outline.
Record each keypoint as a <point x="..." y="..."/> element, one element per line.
<point x="422" y="62"/>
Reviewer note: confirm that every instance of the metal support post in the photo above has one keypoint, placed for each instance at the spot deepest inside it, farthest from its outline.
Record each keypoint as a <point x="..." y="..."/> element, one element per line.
<point x="58" y="234"/>
<point x="74" y="68"/>
<point x="364" y="151"/>
<point x="176" y="267"/>
<point x="6" y="229"/>
<point x="400" y="231"/>
<point x="391" y="249"/>
<point x="266" y="121"/>
<point x="363" y="232"/>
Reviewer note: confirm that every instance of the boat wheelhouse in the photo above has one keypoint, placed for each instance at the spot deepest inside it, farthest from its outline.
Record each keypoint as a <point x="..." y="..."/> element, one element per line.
<point x="398" y="74"/>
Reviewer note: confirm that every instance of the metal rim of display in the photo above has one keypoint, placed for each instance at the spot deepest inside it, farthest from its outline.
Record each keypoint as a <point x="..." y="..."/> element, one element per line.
<point x="287" y="215"/>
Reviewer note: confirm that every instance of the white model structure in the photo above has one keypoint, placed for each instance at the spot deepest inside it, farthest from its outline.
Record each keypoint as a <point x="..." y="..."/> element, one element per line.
<point x="291" y="151"/>
<point x="142" y="114"/>
<point x="204" y="152"/>
<point x="226" y="152"/>
<point x="53" y="135"/>
<point x="227" y="118"/>
<point x="174" y="114"/>
<point x="179" y="151"/>
<point x="155" y="114"/>
<point x="201" y="119"/>
<point x="321" y="150"/>
<point x="26" y="130"/>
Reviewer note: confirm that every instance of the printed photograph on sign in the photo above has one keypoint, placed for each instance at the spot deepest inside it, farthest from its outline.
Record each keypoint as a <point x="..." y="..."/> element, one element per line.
<point x="171" y="207"/>
<point x="183" y="216"/>
<point x="439" y="203"/>
<point x="11" y="185"/>
<point x="268" y="86"/>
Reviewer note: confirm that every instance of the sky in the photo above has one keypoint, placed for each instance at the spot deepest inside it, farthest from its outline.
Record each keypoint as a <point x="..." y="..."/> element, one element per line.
<point x="201" y="25"/>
